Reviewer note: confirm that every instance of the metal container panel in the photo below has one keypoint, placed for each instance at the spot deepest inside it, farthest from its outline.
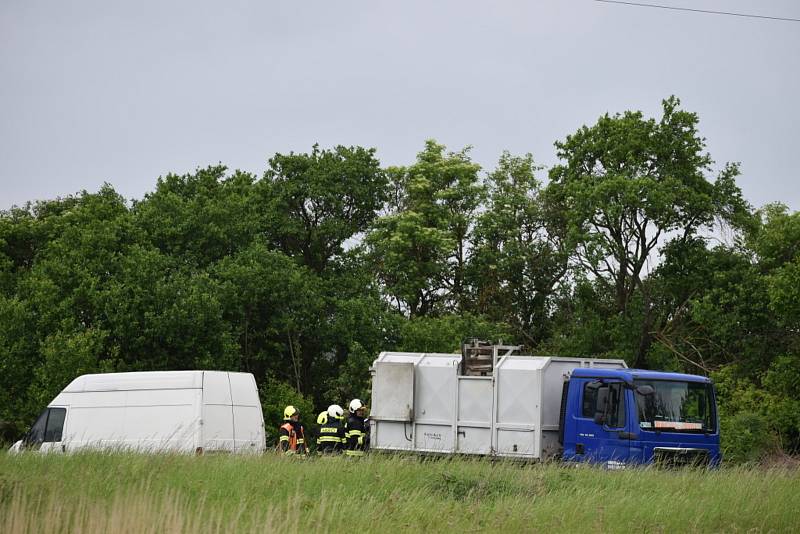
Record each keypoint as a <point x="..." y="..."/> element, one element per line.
<point x="475" y="402"/>
<point x="518" y="413"/>
<point x="392" y="435"/>
<point x="393" y="391"/>
<point x="433" y="437"/>
<point x="435" y="391"/>
<point x="517" y="443"/>
<point x="518" y="393"/>
<point x="474" y="440"/>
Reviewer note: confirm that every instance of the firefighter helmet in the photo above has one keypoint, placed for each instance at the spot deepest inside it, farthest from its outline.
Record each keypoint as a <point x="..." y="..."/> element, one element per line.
<point x="290" y="411"/>
<point x="334" y="410"/>
<point x="355" y="405"/>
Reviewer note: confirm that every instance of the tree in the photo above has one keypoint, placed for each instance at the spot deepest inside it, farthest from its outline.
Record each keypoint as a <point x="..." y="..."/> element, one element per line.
<point x="627" y="183"/>
<point x="711" y="306"/>
<point x="200" y="217"/>
<point x="62" y="252"/>
<point x="163" y="315"/>
<point x="517" y="256"/>
<point x="273" y="306"/>
<point x="312" y="203"/>
<point x="420" y="247"/>
<point x="19" y="343"/>
<point x="776" y="243"/>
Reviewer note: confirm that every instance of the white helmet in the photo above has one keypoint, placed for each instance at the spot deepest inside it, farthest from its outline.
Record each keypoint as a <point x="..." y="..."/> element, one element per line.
<point x="334" y="410"/>
<point x="355" y="405"/>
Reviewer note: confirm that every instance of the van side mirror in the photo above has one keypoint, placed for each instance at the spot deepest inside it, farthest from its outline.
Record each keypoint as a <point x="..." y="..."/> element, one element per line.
<point x="645" y="390"/>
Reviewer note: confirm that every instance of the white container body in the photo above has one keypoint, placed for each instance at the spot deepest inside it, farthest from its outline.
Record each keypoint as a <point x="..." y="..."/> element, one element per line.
<point x="176" y="411"/>
<point x="421" y="403"/>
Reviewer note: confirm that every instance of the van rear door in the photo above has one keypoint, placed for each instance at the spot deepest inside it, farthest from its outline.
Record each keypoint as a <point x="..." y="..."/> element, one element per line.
<point x="217" y="427"/>
<point x="248" y="419"/>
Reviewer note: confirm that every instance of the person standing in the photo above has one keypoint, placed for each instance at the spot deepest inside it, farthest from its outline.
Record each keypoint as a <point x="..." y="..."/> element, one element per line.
<point x="331" y="439"/>
<point x="292" y="439"/>
<point x="356" y="429"/>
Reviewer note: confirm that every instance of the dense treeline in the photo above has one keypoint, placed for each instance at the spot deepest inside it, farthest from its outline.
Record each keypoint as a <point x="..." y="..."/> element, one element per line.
<point x="301" y="276"/>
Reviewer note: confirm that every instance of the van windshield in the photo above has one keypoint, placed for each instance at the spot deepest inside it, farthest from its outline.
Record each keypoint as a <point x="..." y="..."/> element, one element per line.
<point x="676" y="406"/>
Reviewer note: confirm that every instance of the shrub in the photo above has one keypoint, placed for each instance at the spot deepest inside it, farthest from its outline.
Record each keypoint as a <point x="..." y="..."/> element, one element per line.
<point x="275" y="396"/>
<point x="747" y="438"/>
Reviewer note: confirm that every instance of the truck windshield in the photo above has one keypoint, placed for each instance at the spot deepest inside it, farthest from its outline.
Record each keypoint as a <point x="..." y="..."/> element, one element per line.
<point x="676" y="406"/>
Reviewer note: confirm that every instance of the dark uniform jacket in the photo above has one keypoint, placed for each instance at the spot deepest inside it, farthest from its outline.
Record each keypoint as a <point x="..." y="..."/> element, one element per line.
<point x="356" y="435"/>
<point x="331" y="436"/>
<point x="291" y="437"/>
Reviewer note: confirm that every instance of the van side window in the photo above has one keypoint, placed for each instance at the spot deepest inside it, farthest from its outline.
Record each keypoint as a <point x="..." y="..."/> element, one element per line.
<point x="589" y="404"/>
<point x="55" y="424"/>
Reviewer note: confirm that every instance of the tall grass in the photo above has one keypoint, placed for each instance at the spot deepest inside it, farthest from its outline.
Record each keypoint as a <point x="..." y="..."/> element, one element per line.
<point x="171" y="493"/>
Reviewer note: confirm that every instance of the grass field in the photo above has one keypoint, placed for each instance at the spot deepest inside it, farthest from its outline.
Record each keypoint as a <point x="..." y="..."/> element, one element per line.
<point x="132" y="493"/>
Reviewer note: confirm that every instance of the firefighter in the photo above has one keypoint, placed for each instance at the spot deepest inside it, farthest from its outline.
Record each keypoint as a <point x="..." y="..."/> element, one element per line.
<point x="292" y="435"/>
<point x="322" y="418"/>
<point x="332" y="438"/>
<point x="356" y="434"/>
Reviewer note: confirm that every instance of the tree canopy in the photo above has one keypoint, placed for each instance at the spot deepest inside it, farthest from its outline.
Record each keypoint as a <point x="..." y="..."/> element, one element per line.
<point x="302" y="275"/>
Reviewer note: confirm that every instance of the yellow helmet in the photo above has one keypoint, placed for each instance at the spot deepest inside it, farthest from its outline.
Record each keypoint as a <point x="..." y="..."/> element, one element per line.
<point x="322" y="418"/>
<point x="289" y="412"/>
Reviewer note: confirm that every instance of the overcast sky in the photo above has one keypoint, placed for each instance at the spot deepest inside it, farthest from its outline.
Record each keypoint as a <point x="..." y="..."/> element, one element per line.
<point x="123" y="92"/>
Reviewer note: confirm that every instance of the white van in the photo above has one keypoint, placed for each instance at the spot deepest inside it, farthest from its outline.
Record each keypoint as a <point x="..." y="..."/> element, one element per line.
<point x="176" y="411"/>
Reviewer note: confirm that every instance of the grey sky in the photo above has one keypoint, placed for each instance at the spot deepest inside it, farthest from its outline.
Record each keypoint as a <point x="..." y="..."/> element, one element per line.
<point x="125" y="92"/>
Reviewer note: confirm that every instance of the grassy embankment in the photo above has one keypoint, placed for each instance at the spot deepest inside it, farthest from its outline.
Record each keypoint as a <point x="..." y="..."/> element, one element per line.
<point x="131" y="493"/>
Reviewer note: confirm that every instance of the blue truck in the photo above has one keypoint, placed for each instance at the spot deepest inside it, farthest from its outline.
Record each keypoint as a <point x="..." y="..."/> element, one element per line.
<point x="491" y="400"/>
<point x="633" y="416"/>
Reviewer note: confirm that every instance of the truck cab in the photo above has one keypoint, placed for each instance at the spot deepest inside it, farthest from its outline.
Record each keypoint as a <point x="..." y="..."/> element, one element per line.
<point x="619" y="417"/>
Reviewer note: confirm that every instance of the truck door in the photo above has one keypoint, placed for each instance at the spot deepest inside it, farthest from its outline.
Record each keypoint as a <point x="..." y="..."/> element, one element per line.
<point x="602" y="432"/>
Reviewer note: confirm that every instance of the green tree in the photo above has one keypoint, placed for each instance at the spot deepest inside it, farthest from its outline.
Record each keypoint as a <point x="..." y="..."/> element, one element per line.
<point x="776" y="242"/>
<point x="420" y="247"/>
<point x="311" y="204"/>
<point x="62" y="253"/>
<point x="19" y="342"/>
<point x="273" y="306"/>
<point x="625" y="185"/>
<point x="275" y="396"/>
<point x="359" y="325"/>
<point x="66" y="355"/>
<point x="447" y="332"/>
<point x="200" y="217"/>
<point x="517" y="256"/>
